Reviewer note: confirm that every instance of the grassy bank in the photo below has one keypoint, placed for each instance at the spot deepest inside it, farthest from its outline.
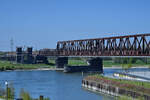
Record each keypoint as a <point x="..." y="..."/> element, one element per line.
<point x="73" y="62"/>
<point x="107" y="63"/>
<point x="134" y="62"/>
<point x="7" y="65"/>
<point x="110" y="63"/>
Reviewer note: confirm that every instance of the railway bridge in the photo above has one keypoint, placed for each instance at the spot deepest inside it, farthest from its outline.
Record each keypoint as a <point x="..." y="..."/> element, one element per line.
<point x="137" y="45"/>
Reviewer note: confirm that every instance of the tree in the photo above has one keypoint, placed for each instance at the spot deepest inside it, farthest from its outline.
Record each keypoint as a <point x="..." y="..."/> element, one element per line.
<point x="127" y="65"/>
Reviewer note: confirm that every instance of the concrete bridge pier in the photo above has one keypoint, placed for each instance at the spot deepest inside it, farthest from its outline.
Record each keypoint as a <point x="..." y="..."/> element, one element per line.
<point x="96" y="64"/>
<point x="61" y="62"/>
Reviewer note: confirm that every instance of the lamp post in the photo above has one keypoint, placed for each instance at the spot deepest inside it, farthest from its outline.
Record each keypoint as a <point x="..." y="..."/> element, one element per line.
<point x="6" y="83"/>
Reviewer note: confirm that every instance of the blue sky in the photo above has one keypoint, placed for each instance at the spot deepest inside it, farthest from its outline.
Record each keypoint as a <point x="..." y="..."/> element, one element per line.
<point x="41" y="23"/>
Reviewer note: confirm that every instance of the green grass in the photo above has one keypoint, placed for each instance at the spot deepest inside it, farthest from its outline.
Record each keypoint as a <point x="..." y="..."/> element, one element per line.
<point x="76" y="62"/>
<point x="7" y="65"/>
<point x="106" y="63"/>
<point x="51" y="61"/>
<point x="71" y="62"/>
<point x="110" y="63"/>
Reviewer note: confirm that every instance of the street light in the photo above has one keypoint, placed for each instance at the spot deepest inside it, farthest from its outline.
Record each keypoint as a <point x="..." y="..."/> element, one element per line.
<point x="6" y="83"/>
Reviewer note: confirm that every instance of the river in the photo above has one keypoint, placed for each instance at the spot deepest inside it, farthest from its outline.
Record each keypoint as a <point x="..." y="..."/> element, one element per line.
<point x="52" y="84"/>
<point x="58" y="85"/>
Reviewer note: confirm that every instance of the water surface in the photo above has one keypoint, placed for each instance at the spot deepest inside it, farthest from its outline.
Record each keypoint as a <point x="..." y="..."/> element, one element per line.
<point x="52" y="84"/>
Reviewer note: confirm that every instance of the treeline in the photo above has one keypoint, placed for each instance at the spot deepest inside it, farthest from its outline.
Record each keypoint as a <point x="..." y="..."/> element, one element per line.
<point x="131" y="60"/>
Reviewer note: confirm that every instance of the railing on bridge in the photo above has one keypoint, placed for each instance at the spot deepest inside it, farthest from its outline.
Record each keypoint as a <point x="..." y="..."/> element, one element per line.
<point x="131" y="45"/>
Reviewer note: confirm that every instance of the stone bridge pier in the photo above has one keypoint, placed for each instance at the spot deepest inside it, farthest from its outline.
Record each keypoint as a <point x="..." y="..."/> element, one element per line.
<point x="95" y="64"/>
<point x="61" y="62"/>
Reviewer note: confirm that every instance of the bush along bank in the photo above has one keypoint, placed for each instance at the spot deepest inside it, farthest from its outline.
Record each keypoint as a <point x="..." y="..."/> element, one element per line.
<point x="117" y="87"/>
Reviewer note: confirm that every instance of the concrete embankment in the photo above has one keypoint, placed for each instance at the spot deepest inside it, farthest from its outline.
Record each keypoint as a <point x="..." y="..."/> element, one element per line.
<point x="115" y="88"/>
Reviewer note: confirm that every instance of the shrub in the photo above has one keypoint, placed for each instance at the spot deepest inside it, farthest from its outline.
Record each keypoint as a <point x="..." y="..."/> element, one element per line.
<point x="25" y="95"/>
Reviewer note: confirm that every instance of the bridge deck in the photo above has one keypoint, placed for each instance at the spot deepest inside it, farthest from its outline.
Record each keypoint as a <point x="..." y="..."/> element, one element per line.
<point x="132" y="45"/>
<point x="121" y="46"/>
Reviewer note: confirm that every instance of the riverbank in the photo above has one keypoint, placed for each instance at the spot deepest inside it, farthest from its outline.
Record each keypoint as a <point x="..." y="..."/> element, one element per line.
<point x="6" y="66"/>
<point x="117" y="87"/>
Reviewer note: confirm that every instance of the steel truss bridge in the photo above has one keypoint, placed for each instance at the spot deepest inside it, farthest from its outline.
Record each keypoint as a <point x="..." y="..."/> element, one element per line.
<point x="130" y="45"/>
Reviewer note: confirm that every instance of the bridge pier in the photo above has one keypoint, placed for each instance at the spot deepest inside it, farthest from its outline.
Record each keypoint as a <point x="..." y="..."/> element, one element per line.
<point x="96" y="64"/>
<point x="61" y="62"/>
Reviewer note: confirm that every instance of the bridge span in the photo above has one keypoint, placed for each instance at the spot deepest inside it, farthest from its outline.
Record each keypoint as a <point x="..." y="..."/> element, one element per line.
<point x="120" y="46"/>
<point x="130" y="45"/>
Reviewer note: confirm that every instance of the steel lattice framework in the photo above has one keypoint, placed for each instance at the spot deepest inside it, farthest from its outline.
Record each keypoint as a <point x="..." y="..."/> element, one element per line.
<point x="131" y="45"/>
